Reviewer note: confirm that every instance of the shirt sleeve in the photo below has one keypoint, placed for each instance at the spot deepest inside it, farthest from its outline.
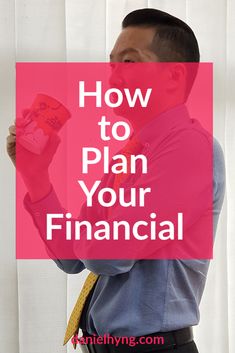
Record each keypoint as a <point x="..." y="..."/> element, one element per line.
<point x="38" y="211"/>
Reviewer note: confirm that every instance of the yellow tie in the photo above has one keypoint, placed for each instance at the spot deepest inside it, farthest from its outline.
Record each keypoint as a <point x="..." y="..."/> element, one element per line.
<point x="73" y="325"/>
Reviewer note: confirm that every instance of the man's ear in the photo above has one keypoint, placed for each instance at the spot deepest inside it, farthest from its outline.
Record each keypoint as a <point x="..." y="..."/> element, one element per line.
<point x="177" y="75"/>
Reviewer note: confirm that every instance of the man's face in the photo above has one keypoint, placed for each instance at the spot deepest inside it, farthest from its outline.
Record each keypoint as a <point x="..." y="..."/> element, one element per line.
<point x="134" y="45"/>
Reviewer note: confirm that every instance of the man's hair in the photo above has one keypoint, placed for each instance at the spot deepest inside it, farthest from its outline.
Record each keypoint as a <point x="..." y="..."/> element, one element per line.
<point x="174" y="40"/>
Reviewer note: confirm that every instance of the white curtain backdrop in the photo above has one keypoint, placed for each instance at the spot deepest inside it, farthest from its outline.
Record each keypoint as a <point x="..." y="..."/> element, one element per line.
<point x="35" y="296"/>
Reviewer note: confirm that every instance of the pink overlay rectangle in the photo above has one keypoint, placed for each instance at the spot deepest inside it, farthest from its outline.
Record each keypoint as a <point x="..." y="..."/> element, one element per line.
<point x="132" y="174"/>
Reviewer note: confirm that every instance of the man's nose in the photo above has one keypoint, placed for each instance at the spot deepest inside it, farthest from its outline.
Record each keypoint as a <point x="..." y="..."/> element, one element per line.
<point x="116" y="79"/>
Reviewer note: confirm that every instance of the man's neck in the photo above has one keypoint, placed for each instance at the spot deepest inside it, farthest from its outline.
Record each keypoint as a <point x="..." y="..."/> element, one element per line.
<point x="138" y="124"/>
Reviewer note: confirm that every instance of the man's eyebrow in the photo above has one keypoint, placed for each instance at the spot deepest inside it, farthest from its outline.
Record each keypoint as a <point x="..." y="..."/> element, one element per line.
<point x="125" y="51"/>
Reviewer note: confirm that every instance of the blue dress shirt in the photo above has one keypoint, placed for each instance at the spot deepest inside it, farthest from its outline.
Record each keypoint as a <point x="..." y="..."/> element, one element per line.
<point x="140" y="297"/>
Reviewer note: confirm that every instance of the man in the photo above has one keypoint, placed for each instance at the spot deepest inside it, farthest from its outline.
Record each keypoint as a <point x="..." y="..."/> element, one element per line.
<point x="144" y="297"/>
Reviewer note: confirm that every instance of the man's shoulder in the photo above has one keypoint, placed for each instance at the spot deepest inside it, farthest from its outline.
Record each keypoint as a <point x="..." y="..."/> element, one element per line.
<point x="218" y="170"/>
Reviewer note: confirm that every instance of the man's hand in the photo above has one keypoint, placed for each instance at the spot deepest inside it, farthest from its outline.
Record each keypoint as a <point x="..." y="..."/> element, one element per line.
<point x="11" y="144"/>
<point x="32" y="167"/>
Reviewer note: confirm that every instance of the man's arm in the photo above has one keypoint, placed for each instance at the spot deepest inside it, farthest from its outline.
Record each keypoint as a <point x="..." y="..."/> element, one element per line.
<point x="41" y="199"/>
<point x="40" y="192"/>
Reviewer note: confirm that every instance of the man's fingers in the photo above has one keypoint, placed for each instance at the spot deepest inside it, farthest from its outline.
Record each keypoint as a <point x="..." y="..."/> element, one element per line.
<point x="11" y="146"/>
<point x="25" y="120"/>
<point x="21" y="122"/>
<point x="12" y="130"/>
<point x="11" y="139"/>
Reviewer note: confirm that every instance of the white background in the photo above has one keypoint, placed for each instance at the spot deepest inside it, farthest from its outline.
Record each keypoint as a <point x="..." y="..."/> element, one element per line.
<point x="36" y="297"/>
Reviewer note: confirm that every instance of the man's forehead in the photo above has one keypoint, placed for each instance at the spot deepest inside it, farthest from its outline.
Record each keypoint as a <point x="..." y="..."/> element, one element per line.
<point x="133" y="39"/>
<point x="124" y="52"/>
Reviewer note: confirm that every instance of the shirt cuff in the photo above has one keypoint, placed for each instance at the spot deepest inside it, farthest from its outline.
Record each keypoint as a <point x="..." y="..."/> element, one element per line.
<point x="46" y="205"/>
